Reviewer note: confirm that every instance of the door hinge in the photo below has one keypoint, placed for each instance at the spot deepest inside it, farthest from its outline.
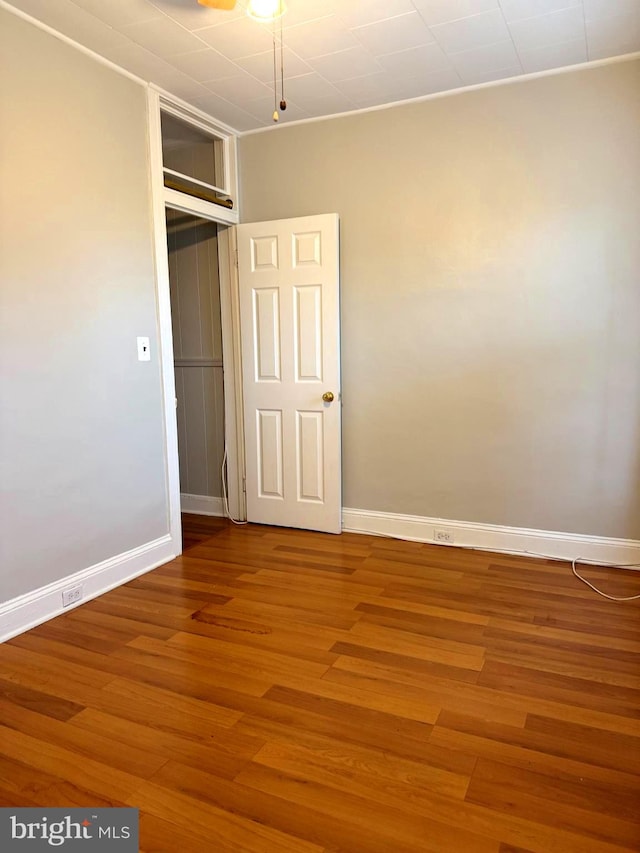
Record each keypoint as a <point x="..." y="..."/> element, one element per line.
<point x="244" y="485"/>
<point x="236" y="257"/>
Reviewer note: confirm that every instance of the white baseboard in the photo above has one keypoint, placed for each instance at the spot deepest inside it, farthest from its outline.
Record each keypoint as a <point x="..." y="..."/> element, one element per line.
<point x="493" y="537"/>
<point x="26" y="611"/>
<point x="202" y="505"/>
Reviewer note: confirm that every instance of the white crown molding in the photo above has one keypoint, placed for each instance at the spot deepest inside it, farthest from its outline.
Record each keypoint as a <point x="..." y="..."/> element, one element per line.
<point x="202" y="505"/>
<point x="166" y="96"/>
<point x="493" y="537"/>
<point x="61" y="37"/>
<point x="26" y="611"/>
<point x="521" y="78"/>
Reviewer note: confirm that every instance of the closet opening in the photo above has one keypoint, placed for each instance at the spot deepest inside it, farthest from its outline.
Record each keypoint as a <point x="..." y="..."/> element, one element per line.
<point x="194" y="281"/>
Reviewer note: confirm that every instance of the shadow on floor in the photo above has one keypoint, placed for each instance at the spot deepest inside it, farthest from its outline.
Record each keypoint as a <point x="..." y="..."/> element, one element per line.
<point x="196" y="529"/>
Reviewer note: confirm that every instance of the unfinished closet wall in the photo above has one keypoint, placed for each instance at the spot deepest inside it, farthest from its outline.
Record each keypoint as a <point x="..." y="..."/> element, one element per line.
<point x="197" y="344"/>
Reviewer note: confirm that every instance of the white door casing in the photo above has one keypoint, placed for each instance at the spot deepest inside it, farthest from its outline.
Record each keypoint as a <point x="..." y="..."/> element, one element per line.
<point x="289" y="318"/>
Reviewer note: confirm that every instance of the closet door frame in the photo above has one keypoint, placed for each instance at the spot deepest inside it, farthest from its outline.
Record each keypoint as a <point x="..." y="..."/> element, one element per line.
<point x="161" y="198"/>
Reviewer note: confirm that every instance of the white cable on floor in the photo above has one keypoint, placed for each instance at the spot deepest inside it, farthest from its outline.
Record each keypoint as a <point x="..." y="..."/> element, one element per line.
<point x="225" y="501"/>
<point x="629" y="566"/>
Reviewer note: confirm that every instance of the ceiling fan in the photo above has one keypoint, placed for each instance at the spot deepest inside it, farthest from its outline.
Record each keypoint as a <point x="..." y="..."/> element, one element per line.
<point x="218" y="4"/>
<point x="263" y="11"/>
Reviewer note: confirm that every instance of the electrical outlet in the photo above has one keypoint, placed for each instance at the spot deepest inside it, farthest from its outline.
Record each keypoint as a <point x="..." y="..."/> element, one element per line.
<point x="71" y="595"/>
<point x="440" y="535"/>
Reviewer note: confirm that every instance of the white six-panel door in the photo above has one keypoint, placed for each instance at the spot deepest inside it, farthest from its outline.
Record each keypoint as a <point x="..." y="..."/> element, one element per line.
<point x="289" y="318"/>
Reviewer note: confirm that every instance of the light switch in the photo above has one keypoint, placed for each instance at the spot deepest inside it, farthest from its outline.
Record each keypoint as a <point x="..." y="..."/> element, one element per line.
<point x="144" y="352"/>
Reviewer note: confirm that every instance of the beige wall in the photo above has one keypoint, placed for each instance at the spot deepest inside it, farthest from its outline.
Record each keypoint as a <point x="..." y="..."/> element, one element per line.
<point x="490" y="296"/>
<point x="81" y="425"/>
<point x="197" y="349"/>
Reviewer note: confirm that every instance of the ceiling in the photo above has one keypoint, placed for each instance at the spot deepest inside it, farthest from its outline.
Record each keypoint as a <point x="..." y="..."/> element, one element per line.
<point x="340" y="55"/>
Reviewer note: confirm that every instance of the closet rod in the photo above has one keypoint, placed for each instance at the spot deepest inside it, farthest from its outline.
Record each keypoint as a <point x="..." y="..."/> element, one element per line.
<point x="198" y="193"/>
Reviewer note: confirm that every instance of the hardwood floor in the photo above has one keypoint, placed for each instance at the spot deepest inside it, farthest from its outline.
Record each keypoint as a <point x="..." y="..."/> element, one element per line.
<point x="275" y="690"/>
<point x="199" y="528"/>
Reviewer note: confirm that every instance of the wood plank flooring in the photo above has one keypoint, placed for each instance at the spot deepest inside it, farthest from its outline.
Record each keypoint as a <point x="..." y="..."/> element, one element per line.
<point x="276" y="690"/>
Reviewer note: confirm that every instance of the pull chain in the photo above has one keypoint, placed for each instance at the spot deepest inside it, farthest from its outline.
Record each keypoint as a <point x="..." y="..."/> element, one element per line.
<point x="275" y="78"/>
<point x="283" y="103"/>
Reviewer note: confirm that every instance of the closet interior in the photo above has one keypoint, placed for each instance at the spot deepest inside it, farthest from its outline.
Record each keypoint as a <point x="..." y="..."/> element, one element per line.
<point x="197" y="345"/>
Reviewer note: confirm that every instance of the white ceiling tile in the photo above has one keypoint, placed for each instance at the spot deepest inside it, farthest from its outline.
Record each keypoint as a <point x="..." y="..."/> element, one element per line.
<point x="476" y="77"/>
<point x="441" y="11"/>
<point x="394" y="34"/>
<point x="373" y="100"/>
<point x="319" y="38"/>
<point x="92" y="33"/>
<point x="241" y="121"/>
<point x="72" y="21"/>
<point x="299" y="89"/>
<point x="205" y="64"/>
<point x="468" y="33"/>
<point x="97" y="36"/>
<point x="360" y="12"/>
<point x="543" y="30"/>
<point x="119" y="13"/>
<point x="382" y="88"/>
<point x="491" y="57"/>
<point x="76" y="23"/>
<point x="163" y="36"/>
<point x="353" y="62"/>
<point x="228" y="113"/>
<point x="239" y="89"/>
<point x="328" y="105"/>
<point x="241" y="37"/>
<point x="298" y="12"/>
<point x="140" y="61"/>
<point x="554" y="56"/>
<point x="596" y="9"/>
<point x="610" y="36"/>
<point x="441" y="81"/>
<point x="516" y="10"/>
<point x="605" y="52"/>
<point x="402" y="88"/>
<point x="367" y="93"/>
<point x="417" y="60"/>
<point x="260" y="65"/>
<point x="339" y="54"/>
<point x="183" y="86"/>
<point x="361" y="89"/>
<point x="191" y="15"/>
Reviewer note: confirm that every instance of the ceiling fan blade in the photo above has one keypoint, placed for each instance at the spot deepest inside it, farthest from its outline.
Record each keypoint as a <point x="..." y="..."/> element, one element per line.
<point x="218" y="4"/>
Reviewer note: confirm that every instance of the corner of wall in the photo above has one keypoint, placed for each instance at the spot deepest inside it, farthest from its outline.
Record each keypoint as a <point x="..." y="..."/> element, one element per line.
<point x="26" y="611"/>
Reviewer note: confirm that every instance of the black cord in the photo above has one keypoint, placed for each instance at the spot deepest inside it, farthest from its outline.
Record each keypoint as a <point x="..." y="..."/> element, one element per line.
<point x="283" y="103"/>
<point x="275" y="76"/>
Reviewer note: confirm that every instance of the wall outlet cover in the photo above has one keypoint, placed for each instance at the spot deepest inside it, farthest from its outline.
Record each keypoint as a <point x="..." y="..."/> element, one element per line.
<point x="441" y="535"/>
<point x="144" y="352"/>
<point x="71" y="595"/>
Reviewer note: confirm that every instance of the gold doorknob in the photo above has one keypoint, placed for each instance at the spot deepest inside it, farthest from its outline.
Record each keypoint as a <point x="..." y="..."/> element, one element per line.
<point x="328" y="396"/>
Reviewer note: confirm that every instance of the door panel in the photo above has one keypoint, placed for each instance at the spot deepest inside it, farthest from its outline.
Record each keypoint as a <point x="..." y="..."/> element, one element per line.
<point x="307" y="318"/>
<point x="310" y="448"/>
<point x="266" y="333"/>
<point x="289" y="317"/>
<point x="270" y="461"/>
